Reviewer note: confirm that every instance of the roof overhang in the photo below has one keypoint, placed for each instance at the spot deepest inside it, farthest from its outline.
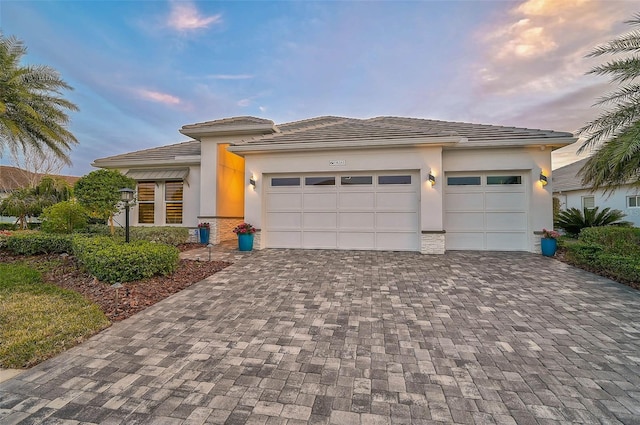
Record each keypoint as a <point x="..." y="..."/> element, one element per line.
<point x="255" y="148"/>
<point x="553" y="143"/>
<point x="177" y="160"/>
<point x="158" y="174"/>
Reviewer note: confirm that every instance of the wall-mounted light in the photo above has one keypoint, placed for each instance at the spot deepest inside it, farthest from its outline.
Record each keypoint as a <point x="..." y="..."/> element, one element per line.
<point x="431" y="179"/>
<point x="252" y="182"/>
<point x="543" y="179"/>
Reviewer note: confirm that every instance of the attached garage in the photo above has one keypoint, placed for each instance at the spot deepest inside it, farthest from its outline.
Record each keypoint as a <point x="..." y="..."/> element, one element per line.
<point x="487" y="211"/>
<point x="365" y="210"/>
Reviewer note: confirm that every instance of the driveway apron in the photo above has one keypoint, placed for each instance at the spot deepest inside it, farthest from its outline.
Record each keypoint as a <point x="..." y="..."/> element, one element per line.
<point x="344" y="337"/>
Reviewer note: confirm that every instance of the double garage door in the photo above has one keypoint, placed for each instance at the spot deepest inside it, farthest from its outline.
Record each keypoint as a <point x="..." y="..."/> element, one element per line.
<point x="372" y="211"/>
<point x="486" y="211"/>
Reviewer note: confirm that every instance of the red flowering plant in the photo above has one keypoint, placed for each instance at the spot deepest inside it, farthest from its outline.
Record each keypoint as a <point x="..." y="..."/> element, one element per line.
<point x="244" y="229"/>
<point x="550" y="234"/>
<point x="204" y="225"/>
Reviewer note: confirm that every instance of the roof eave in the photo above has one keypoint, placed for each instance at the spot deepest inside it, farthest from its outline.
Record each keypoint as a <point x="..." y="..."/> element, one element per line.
<point x="251" y="148"/>
<point x="186" y="160"/>
<point x="553" y="143"/>
<point x="231" y="130"/>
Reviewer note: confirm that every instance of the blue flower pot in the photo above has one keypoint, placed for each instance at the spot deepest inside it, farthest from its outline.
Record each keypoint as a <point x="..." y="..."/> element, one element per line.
<point x="245" y="242"/>
<point x="549" y="246"/>
<point x="204" y="235"/>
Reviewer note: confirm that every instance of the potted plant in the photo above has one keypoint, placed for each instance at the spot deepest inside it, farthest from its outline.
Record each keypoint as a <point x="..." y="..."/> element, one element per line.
<point x="245" y="233"/>
<point x="204" y="230"/>
<point x="549" y="242"/>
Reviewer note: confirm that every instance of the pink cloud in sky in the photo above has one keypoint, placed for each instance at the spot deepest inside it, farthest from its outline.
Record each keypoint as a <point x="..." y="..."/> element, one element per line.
<point x="185" y="17"/>
<point x="158" y="97"/>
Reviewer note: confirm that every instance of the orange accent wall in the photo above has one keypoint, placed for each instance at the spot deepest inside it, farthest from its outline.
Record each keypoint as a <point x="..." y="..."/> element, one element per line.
<point x="230" y="183"/>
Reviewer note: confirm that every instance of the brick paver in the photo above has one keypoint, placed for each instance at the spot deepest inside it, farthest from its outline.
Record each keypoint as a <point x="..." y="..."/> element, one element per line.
<point x="328" y="337"/>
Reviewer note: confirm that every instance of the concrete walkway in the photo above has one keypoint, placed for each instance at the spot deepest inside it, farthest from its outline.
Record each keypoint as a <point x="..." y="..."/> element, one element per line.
<point x="328" y="337"/>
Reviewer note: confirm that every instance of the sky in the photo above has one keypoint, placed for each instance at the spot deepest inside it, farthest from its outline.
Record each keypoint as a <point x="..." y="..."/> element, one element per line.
<point x="142" y="69"/>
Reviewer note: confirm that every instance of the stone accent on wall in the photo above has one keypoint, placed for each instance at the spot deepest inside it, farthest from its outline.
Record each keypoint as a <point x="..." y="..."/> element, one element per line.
<point x="432" y="242"/>
<point x="221" y="228"/>
<point x="257" y="240"/>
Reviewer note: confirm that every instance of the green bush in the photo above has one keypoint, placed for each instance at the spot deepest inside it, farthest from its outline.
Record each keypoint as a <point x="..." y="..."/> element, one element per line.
<point x="96" y="229"/>
<point x="616" y="240"/>
<point x="585" y="254"/>
<point x="112" y="261"/>
<point x="166" y="235"/>
<point x="621" y="267"/>
<point x="64" y="217"/>
<point x="33" y="242"/>
<point x="573" y="220"/>
<point x="8" y="226"/>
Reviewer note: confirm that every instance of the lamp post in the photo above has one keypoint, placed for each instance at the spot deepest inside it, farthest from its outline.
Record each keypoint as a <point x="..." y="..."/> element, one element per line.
<point x="126" y="196"/>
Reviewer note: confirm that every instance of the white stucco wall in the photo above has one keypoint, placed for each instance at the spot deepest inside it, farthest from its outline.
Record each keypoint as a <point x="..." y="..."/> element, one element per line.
<point x="422" y="159"/>
<point x="616" y="200"/>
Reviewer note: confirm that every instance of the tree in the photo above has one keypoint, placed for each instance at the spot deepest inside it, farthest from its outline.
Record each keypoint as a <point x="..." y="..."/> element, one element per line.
<point x="32" y="110"/>
<point x="616" y="132"/>
<point x="98" y="192"/>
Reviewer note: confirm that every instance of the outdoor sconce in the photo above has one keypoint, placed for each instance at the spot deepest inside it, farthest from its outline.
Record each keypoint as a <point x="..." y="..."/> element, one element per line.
<point x="126" y="196"/>
<point x="543" y="179"/>
<point x="432" y="179"/>
<point x="252" y="182"/>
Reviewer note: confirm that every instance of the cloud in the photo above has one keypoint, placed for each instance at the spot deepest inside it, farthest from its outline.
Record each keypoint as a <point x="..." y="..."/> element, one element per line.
<point x="184" y="16"/>
<point x="158" y="97"/>
<point x="244" y="102"/>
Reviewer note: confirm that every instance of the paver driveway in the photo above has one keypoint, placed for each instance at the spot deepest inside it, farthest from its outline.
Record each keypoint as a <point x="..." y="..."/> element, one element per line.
<point x="357" y="338"/>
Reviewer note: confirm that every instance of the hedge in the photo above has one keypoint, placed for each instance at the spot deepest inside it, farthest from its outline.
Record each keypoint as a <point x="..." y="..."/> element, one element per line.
<point x="619" y="240"/>
<point x="111" y="261"/>
<point x="34" y="242"/>
<point x="166" y="234"/>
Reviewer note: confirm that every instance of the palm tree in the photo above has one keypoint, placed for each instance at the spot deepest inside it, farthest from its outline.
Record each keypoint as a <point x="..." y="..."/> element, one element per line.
<point x="616" y="131"/>
<point x="32" y="112"/>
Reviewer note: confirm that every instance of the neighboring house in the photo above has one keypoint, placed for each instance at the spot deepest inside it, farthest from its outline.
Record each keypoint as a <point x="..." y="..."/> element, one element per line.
<point x="14" y="178"/>
<point x="568" y="188"/>
<point x="383" y="183"/>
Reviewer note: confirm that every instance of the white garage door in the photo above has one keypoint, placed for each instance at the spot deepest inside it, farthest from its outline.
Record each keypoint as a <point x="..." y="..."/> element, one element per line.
<point x="372" y="211"/>
<point x="486" y="211"/>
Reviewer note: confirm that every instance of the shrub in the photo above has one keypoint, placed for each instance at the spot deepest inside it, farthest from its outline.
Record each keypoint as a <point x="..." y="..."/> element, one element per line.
<point x="8" y="226"/>
<point x="32" y="243"/>
<point x="112" y="261"/>
<point x="166" y="235"/>
<point x="64" y="217"/>
<point x="573" y="220"/>
<point x="621" y="267"/>
<point x="585" y="254"/>
<point x="616" y="240"/>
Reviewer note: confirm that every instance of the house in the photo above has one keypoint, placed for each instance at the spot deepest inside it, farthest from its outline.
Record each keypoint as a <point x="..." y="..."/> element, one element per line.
<point x="385" y="183"/>
<point x="568" y="188"/>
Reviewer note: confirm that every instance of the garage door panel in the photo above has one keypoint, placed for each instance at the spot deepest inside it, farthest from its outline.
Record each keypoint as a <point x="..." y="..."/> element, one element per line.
<point x="320" y="201"/>
<point x="357" y="220"/>
<point x="467" y="240"/>
<point x="356" y="240"/>
<point x="396" y="201"/>
<point x="506" y="241"/>
<point x="397" y="220"/>
<point x="464" y="201"/>
<point x="396" y="241"/>
<point x="320" y="220"/>
<point x="358" y="200"/>
<point x="284" y="201"/>
<point x="284" y="239"/>
<point x="326" y="240"/>
<point x="465" y="221"/>
<point x="284" y="220"/>
<point x="505" y="201"/>
<point x="506" y="221"/>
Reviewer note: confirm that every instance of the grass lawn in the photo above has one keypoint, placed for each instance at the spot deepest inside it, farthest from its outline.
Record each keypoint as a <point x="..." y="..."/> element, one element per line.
<point x="38" y="320"/>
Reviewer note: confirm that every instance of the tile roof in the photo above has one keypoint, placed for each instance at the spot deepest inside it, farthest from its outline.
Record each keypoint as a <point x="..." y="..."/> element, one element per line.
<point x="566" y="178"/>
<point x="12" y="178"/>
<point x="336" y="131"/>
<point x="162" y="154"/>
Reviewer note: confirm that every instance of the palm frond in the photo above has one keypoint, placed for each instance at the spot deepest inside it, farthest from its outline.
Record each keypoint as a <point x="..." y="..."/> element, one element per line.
<point x="623" y="70"/>
<point x="629" y="42"/>
<point x="626" y="94"/>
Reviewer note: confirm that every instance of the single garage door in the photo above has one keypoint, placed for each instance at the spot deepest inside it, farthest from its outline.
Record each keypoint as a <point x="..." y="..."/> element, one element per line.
<point x="486" y="211"/>
<point x="369" y="211"/>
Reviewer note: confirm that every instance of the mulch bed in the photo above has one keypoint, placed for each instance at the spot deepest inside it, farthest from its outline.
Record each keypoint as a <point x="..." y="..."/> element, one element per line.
<point x="132" y="297"/>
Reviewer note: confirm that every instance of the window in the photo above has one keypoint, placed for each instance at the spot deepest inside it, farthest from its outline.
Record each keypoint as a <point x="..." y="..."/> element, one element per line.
<point x="146" y="205"/>
<point x="320" y="181"/>
<point x="173" y="202"/>
<point x="633" y="201"/>
<point x="285" y="181"/>
<point x="463" y="181"/>
<point x="504" y="179"/>
<point x="352" y="180"/>
<point x="588" y="202"/>
<point x="394" y="179"/>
